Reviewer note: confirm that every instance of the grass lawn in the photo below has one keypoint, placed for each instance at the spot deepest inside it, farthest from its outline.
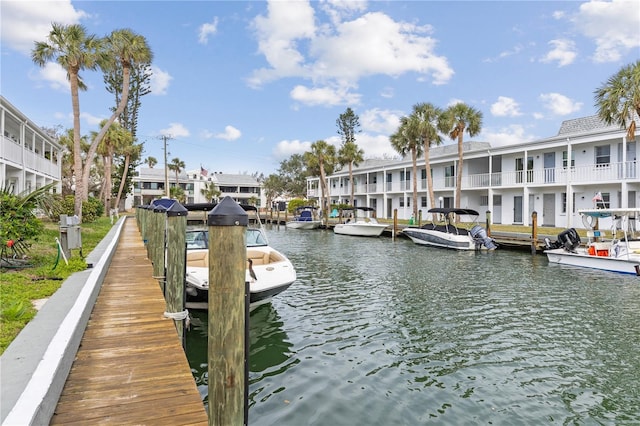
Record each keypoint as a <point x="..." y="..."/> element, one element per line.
<point x="21" y="286"/>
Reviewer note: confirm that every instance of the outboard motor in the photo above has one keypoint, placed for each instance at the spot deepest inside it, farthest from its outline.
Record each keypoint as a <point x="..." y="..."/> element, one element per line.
<point x="569" y="240"/>
<point x="480" y="236"/>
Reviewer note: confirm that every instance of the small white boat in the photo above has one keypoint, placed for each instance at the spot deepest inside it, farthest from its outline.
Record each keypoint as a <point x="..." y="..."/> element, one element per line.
<point x="361" y="225"/>
<point x="305" y="218"/>
<point x="617" y="252"/>
<point x="447" y="235"/>
<point x="269" y="272"/>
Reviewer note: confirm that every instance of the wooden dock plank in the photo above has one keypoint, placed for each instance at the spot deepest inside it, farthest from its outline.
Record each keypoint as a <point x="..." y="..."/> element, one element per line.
<point x="130" y="367"/>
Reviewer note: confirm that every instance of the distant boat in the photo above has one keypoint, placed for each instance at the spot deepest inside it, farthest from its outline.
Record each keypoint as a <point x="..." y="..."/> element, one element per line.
<point x="620" y="252"/>
<point x="269" y="272"/>
<point x="305" y="218"/>
<point x="447" y="235"/>
<point x="362" y="224"/>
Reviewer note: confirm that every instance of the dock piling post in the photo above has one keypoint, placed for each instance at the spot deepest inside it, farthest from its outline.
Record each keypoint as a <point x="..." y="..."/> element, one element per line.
<point x="534" y="232"/>
<point x="176" y="267"/>
<point x="488" y="225"/>
<point x="227" y="316"/>
<point x="395" y="224"/>
<point x="158" y="243"/>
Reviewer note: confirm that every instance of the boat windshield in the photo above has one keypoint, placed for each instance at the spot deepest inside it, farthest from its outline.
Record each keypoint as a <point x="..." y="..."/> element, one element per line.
<point x="199" y="239"/>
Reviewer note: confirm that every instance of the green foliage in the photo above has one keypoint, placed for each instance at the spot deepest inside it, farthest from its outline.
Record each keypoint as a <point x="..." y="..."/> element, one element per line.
<point x="38" y="281"/>
<point x="17" y="216"/>
<point x="91" y="209"/>
<point x="298" y="202"/>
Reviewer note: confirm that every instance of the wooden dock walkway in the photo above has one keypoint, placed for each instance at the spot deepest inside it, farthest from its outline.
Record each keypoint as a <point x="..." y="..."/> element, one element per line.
<point x="130" y="367"/>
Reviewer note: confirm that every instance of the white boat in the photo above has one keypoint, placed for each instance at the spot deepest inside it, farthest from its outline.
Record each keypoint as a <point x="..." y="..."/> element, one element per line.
<point x="447" y="235"/>
<point x="305" y="218"/>
<point x="617" y="251"/>
<point x="362" y="224"/>
<point x="269" y="272"/>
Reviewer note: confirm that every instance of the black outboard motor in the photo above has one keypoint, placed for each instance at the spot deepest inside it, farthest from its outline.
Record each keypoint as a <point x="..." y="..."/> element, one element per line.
<point x="480" y="237"/>
<point x="567" y="239"/>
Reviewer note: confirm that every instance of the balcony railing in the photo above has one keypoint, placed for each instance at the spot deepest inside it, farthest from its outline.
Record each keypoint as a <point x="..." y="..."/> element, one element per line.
<point x="585" y="174"/>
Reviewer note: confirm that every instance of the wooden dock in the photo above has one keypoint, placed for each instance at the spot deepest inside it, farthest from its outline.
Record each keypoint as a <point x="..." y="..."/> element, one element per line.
<point x="130" y="367"/>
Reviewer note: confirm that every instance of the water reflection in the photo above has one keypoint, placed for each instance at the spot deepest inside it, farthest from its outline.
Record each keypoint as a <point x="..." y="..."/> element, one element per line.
<point x="382" y="332"/>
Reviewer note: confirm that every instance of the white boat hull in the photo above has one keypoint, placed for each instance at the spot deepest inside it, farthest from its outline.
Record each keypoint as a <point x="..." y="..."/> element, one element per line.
<point x="360" y="229"/>
<point x="434" y="238"/>
<point x="270" y="279"/>
<point x="300" y="224"/>
<point x="625" y="264"/>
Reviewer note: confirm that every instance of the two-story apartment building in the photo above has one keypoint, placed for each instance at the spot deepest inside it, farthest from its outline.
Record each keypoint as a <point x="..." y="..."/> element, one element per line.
<point x="29" y="157"/>
<point x="555" y="177"/>
<point x="150" y="184"/>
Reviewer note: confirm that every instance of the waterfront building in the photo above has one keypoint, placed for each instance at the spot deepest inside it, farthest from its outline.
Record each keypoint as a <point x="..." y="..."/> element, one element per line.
<point x="29" y="157"/>
<point x="587" y="162"/>
<point x="149" y="184"/>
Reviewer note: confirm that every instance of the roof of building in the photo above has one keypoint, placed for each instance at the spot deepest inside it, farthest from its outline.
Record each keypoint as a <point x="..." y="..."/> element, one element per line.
<point x="585" y="125"/>
<point x="233" y="179"/>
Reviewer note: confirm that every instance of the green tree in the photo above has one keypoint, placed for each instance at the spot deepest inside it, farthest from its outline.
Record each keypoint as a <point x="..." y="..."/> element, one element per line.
<point x="151" y="161"/>
<point x="272" y="186"/>
<point x="349" y="153"/>
<point x="115" y="140"/>
<point x="74" y="50"/>
<point x="131" y="154"/>
<point x="321" y="160"/>
<point x="17" y="213"/>
<point x="619" y="98"/>
<point x="406" y="140"/>
<point x="210" y="191"/>
<point x="293" y="174"/>
<point x="455" y="121"/>
<point x="176" y="165"/>
<point x="126" y="49"/>
<point x="428" y="116"/>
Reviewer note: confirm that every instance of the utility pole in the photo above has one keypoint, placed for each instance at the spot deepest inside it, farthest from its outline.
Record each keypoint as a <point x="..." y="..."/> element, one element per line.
<point x="166" y="166"/>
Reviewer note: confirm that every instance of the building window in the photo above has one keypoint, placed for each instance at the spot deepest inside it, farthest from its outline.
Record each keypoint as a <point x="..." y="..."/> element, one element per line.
<point x="603" y="155"/>
<point x="484" y="200"/>
<point x="564" y="159"/>
<point x="401" y="201"/>
<point x="423" y="201"/>
<point x="519" y="169"/>
<point x="449" y="176"/>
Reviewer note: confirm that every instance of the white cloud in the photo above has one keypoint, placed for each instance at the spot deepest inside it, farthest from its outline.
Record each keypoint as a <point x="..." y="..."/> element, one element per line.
<point x="23" y="22"/>
<point x="613" y="26"/>
<point x="230" y="134"/>
<point x="505" y="107"/>
<point x="285" y="149"/>
<point x="207" y="29"/>
<point x="324" y="96"/>
<point x="511" y="135"/>
<point x="375" y="146"/>
<point x="54" y="75"/>
<point x="175" y="131"/>
<point x="380" y="121"/>
<point x="563" y="51"/>
<point x="341" y="9"/>
<point x="92" y="120"/>
<point x="159" y="81"/>
<point x="559" y="104"/>
<point x="341" y="53"/>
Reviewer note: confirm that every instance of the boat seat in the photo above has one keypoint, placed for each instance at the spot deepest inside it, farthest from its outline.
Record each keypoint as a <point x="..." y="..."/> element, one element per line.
<point x="198" y="258"/>
<point x="258" y="257"/>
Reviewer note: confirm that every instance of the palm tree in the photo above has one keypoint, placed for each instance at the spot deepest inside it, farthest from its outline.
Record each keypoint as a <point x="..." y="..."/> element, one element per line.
<point x="151" y="161"/>
<point x="407" y="140"/>
<point x="114" y="141"/>
<point x="210" y="191"/>
<point x="126" y="49"/>
<point x="74" y="50"/>
<point x="619" y="98"/>
<point x="454" y="121"/>
<point x="272" y="187"/>
<point x="350" y="154"/>
<point x="321" y="160"/>
<point x="131" y="153"/>
<point x="428" y="116"/>
<point x="176" y="165"/>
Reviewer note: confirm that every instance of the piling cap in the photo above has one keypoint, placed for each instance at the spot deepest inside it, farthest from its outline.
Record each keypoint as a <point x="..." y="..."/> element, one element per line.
<point x="177" y="209"/>
<point x="227" y="213"/>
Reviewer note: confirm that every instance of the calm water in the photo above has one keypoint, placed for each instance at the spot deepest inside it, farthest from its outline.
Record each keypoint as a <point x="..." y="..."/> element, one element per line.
<point x="376" y="332"/>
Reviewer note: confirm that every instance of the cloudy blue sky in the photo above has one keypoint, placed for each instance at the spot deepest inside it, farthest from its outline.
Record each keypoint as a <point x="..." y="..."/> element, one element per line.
<point x="240" y="86"/>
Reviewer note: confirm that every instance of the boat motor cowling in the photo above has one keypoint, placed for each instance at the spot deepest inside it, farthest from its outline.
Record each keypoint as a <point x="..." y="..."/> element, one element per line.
<point x="569" y="239"/>
<point x="480" y="236"/>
